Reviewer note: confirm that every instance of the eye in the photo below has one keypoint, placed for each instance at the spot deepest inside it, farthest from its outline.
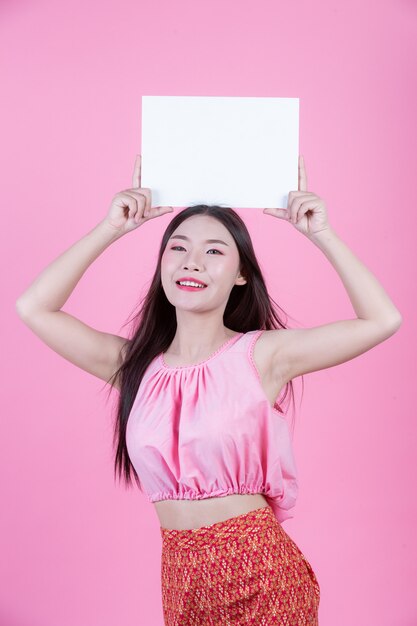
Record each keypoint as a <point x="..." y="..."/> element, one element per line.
<point x="214" y="249"/>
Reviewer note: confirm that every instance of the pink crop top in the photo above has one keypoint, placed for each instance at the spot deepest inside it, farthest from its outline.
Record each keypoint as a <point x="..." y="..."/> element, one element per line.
<point x="208" y="430"/>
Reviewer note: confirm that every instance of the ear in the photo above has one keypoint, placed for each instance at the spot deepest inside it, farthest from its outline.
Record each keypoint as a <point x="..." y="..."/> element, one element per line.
<point x="240" y="280"/>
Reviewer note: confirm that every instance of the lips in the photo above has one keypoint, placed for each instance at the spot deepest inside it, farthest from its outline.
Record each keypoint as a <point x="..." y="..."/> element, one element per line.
<point x="193" y="280"/>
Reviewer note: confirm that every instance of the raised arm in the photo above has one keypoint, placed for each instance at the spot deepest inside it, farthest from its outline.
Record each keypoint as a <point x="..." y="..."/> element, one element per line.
<point x="294" y="352"/>
<point x="39" y="307"/>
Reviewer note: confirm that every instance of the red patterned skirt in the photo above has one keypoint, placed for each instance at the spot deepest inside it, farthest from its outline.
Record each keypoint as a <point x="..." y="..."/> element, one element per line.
<point x="243" y="570"/>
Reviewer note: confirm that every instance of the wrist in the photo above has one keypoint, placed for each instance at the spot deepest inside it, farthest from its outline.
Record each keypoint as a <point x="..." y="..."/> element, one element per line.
<point x="323" y="235"/>
<point x="107" y="231"/>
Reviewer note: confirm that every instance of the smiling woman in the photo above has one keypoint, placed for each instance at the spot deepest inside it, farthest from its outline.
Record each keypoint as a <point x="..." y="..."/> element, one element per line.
<point x="200" y="394"/>
<point x="202" y="379"/>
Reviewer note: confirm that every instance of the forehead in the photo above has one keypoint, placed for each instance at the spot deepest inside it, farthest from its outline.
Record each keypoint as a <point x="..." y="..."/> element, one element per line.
<point x="203" y="228"/>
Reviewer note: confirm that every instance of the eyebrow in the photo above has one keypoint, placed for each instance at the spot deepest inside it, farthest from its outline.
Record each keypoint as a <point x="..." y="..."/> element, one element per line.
<point x="207" y="240"/>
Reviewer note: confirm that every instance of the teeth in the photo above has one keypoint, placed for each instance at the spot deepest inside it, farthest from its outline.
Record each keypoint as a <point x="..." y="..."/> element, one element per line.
<point x="191" y="284"/>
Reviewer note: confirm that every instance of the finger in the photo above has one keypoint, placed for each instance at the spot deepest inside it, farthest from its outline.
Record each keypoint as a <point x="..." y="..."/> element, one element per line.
<point x="130" y="203"/>
<point x="307" y="205"/>
<point x="299" y="201"/>
<point x="142" y="200"/>
<point x="295" y="194"/>
<point x="158" y="210"/>
<point x="161" y="210"/>
<point x="145" y="192"/>
<point x="137" y="172"/>
<point x="281" y="213"/>
<point x="302" y="174"/>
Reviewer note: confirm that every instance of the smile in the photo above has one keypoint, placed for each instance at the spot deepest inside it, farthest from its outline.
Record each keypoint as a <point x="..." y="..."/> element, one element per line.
<point x="190" y="287"/>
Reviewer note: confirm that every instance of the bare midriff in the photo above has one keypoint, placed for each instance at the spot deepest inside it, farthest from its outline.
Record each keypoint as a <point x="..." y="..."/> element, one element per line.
<point x="188" y="514"/>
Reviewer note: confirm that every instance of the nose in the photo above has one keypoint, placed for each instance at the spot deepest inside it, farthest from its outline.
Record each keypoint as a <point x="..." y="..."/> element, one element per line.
<point x="191" y="266"/>
<point x="192" y="263"/>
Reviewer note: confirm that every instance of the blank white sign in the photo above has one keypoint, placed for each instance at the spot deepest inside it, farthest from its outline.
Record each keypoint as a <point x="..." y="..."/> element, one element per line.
<point x="238" y="152"/>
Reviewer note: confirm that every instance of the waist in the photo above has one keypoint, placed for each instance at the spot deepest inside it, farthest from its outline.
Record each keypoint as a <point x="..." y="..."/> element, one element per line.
<point x="189" y="514"/>
<point x="231" y="534"/>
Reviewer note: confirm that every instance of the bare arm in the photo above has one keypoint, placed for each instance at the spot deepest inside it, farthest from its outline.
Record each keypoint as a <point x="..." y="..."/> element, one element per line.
<point x="294" y="352"/>
<point x="39" y="307"/>
<point x="311" y="349"/>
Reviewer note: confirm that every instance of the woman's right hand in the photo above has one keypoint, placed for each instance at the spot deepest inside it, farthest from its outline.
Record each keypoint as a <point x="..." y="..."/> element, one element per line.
<point x="130" y="208"/>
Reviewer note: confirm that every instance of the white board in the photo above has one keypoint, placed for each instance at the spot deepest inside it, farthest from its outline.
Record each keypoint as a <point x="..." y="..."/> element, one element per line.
<point x="240" y="152"/>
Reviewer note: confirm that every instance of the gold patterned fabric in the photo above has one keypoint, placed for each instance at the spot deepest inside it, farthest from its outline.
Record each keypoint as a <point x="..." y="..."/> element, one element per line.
<point x="244" y="570"/>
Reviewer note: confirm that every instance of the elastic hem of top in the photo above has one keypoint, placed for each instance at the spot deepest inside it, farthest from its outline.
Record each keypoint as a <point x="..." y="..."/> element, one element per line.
<point x="192" y="495"/>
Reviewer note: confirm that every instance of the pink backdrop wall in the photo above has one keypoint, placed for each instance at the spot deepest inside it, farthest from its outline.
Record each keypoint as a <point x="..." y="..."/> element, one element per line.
<point x="78" y="549"/>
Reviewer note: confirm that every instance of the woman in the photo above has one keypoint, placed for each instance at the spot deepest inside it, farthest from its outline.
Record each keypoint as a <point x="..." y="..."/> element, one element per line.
<point x="204" y="436"/>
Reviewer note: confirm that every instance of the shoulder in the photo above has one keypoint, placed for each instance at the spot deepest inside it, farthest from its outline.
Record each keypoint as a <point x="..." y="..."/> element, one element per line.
<point x="269" y="353"/>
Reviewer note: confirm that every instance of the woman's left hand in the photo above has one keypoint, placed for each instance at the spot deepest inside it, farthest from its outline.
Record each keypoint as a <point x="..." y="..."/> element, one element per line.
<point x="306" y="211"/>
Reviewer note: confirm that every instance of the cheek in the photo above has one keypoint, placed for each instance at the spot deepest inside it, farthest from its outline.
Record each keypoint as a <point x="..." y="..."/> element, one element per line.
<point x="169" y="268"/>
<point x="166" y="262"/>
<point x="226" y="268"/>
<point x="163" y="267"/>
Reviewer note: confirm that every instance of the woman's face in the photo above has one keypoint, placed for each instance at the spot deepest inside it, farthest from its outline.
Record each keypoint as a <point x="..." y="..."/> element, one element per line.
<point x="189" y="253"/>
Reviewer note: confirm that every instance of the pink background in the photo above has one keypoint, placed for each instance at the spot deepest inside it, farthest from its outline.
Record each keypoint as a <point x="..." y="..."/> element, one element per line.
<point x="77" y="548"/>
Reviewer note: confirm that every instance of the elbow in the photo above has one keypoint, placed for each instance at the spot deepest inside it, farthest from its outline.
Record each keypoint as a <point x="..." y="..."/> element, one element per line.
<point x="22" y="308"/>
<point x="398" y="320"/>
<point x="394" y="324"/>
<point x="19" y="308"/>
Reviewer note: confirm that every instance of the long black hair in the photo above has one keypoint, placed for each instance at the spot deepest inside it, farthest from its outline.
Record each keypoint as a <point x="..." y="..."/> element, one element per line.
<point x="154" y="326"/>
